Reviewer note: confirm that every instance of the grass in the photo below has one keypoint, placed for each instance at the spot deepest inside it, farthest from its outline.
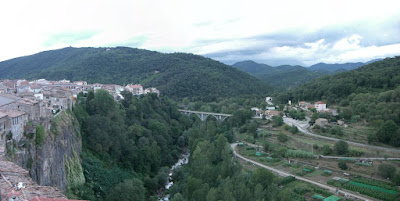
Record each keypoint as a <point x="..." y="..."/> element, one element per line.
<point x="315" y="173"/>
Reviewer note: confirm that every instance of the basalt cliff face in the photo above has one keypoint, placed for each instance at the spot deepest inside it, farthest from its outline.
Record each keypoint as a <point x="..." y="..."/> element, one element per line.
<point x="50" y="150"/>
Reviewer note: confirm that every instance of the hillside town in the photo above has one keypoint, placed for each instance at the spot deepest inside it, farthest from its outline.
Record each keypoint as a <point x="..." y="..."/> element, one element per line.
<point x="23" y="101"/>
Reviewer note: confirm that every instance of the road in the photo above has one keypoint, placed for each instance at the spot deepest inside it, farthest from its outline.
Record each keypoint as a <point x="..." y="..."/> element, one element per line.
<point x="302" y="126"/>
<point x="285" y="174"/>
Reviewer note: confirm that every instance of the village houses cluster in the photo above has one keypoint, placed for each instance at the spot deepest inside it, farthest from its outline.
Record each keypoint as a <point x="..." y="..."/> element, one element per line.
<point x="23" y="101"/>
<point x="270" y="109"/>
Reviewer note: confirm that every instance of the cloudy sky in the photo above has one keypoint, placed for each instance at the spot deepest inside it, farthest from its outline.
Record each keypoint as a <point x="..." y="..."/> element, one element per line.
<point x="273" y="32"/>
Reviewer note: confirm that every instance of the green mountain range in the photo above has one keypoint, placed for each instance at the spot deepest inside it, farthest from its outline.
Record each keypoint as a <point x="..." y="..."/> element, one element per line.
<point x="376" y="77"/>
<point x="286" y="76"/>
<point x="281" y="77"/>
<point x="176" y="75"/>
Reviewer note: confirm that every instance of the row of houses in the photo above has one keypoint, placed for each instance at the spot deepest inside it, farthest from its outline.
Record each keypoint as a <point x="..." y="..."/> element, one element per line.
<point x="320" y="106"/>
<point x="16" y="112"/>
<point x="22" y="101"/>
<point x="37" y="86"/>
<point x="269" y="112"/>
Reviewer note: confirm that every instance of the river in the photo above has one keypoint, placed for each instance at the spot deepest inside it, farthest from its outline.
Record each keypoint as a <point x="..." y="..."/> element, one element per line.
<point x="184" y="159"/>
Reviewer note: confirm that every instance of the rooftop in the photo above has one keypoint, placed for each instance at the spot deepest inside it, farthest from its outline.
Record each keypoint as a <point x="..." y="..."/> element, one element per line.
<point x="2" y="114"/>
<point x="13" y="113"/>
<point x="6" y="99"/>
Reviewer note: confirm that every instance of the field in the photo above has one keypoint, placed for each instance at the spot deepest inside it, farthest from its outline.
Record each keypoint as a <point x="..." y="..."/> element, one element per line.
<point x="295" y="155"/>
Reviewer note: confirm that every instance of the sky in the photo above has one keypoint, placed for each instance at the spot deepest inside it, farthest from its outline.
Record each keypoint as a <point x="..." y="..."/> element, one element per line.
<point x="275" y="32"/>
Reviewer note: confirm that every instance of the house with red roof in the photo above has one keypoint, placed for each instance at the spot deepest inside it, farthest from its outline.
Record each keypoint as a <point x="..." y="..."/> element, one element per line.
<point x="320" y="106"/>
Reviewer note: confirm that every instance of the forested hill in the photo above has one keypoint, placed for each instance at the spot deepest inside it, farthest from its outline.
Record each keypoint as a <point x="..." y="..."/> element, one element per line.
<point x="281" y="77"/>
<point x="376" y="77"/>
<point x="176" y="75"/>
<point x="333" y="68"/>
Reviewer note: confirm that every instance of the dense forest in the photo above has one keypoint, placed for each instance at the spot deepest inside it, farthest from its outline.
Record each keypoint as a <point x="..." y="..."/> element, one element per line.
<point x="176" y="75"/>
<point x="371" y="92"/>
<point x="133" y="141"/>
<point x="129" y="146"/>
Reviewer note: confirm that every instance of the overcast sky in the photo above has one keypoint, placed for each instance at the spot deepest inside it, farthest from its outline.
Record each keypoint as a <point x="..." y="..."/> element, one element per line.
<point x="272" y="32"/>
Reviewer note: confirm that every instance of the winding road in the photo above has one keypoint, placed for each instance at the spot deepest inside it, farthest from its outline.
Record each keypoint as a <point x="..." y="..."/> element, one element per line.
<point x="302" y="126"/>
<point x="285" y="174"/>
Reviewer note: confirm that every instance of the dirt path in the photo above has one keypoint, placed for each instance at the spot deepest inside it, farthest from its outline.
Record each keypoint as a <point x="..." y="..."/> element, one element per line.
<point x="285" y="174"/>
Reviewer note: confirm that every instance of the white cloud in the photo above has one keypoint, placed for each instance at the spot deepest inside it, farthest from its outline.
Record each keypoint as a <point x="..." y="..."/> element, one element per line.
<point x="178" y="25"/>
<point x="349" y="43"/>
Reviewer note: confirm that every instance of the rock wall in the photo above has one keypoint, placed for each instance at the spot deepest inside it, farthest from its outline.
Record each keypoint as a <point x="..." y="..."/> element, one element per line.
<point x="52" y="157"/>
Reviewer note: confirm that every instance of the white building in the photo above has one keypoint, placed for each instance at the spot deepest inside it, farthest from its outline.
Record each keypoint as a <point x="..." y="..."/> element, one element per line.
<point x="320" y="106"/>
<point x="136" y="89"/>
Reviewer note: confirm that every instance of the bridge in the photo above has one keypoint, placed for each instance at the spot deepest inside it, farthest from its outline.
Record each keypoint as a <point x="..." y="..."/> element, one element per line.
<point x="203" y="115"/>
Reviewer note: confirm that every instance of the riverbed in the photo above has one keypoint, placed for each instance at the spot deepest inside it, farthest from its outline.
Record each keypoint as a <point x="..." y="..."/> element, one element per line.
<point x="183" y="159"/>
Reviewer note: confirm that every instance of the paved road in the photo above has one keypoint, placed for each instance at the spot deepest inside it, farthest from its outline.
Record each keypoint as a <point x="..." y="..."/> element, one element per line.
<point x="285" y="174"/>
<point x="302" y="126"/>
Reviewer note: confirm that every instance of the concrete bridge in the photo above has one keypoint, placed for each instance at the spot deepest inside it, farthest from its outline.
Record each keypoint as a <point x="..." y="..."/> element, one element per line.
<point x="203" y="115"/>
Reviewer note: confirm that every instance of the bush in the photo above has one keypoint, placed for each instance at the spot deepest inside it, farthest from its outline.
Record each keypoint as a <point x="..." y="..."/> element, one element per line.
<point x="386" y="170"/>
<point x="266" y="146"/>
<point x="286" y="127"/>
<point x="326" y="150"/>
<point x="293" y="129"/>
<point x="287" y="180"/>
<point x="282" y="138"/>
<point x="341" y="147"/>
<point x="250" y="139"/>
<point x="355" y="153"/>
<point x="315" y="146"/>
<point x="299" y="154"/>
<point x="278" y="121"/>
<point x="342" y="165"/>
<point x="40" y="135"/>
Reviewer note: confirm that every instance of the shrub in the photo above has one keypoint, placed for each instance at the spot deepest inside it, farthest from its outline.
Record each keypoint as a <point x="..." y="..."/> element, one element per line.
<point x="299" y="154"/>
<point x="315" y="146"/>
<point x="286" y="127"/>
<point x="40" y="134"/>
<point x="266" y="146"/>
<point x="282" y="138"/>
<point x="386" y="170"/>
<point x="342" y="165"/>
<point x="326" y="150"/>
<point x="293" y="129"/>
<point x="287" y="180"/>
<point x="341" y="147"/>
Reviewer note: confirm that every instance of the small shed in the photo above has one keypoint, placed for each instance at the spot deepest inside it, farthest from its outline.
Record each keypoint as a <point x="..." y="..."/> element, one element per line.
<point x="258" y="153"/>
<point x="240" y="144"/>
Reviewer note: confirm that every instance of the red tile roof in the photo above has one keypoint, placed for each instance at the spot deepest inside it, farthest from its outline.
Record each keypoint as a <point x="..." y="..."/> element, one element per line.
<point x="319" y="102"/>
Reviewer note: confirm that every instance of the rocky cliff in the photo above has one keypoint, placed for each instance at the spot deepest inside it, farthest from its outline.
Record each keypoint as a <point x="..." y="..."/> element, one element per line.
<point x="50" y="150"/>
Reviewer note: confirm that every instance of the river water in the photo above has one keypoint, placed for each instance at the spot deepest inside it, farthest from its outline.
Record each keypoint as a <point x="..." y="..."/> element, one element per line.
<point x="184" y="159"/>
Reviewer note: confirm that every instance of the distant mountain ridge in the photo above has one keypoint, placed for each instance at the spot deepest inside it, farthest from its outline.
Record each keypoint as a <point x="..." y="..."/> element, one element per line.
<point x="177" y="75"/>
<point x="287" y="76"/>
<point x="340" y="67"/>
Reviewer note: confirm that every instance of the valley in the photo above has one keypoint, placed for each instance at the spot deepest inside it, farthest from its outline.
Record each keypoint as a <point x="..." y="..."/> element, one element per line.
<point x="112" y="141"/>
